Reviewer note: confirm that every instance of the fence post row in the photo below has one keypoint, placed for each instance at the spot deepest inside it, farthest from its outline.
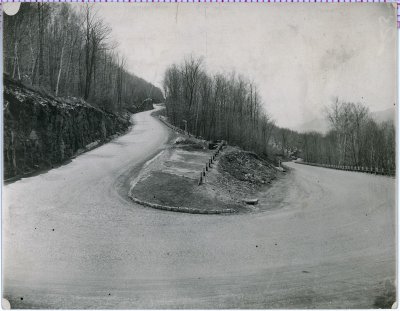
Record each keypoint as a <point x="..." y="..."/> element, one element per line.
<point x="354" y="168"/>
<point x="202" y="178"/>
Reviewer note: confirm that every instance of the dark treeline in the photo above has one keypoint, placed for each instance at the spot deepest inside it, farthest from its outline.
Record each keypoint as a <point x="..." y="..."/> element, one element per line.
<point x="216" y="107"/>
<point x="354" y="139"/>
<point x="66" y="50"/>
<point x="230" y="108"/>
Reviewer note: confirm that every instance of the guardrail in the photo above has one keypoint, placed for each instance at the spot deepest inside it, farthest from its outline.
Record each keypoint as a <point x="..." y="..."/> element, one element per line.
<point x="352" y="168"/>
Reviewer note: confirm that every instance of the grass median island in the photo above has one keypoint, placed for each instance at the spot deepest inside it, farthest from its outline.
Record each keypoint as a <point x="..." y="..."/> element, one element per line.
<point x="171" y="179"/>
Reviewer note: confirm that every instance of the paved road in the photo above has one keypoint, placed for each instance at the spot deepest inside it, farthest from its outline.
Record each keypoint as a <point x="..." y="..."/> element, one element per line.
<point x="73" y="240"/>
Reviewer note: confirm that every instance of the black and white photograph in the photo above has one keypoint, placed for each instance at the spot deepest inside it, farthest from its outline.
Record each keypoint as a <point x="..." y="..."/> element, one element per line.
<point x="199" y="155"/>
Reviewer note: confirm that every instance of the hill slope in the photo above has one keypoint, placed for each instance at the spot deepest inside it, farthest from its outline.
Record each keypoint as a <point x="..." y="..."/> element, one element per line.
<point x="41" y="131"/>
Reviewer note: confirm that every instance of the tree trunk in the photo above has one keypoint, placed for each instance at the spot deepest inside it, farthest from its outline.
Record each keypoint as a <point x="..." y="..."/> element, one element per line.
<point x="59" y="71"/>
<point x="41" y="44"/>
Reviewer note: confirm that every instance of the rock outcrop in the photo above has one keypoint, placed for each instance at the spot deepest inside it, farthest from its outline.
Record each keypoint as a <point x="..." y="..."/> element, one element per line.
<point x="41" y="131"/>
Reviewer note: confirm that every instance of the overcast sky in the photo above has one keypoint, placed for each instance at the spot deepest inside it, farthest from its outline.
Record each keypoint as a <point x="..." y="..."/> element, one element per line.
<point x="300" y="56"/>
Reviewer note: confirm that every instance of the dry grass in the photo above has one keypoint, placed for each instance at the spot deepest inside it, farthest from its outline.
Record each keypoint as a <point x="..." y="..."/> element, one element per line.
<point x="176" y="191"/>
<point x="172" y="178"/>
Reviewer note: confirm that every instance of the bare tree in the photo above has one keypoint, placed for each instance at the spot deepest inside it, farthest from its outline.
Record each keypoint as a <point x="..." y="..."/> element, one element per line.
<point x="69" y="53"/>
<point x="96" y="32"/>
<point x="217" y="107"/>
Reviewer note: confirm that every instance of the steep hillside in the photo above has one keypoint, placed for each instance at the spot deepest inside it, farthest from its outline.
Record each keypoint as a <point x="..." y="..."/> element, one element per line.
<point x="41" y="131"/>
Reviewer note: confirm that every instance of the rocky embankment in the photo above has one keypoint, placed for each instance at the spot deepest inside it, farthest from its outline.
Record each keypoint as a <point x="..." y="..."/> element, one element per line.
<point x="41" y="131"/>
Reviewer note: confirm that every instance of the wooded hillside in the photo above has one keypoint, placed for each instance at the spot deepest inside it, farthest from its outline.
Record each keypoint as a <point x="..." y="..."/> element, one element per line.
<point x="67" y="50"/>
<point x="216" y="106"/>
<point x="230" y="108"/>
<point x="354" y="139"/>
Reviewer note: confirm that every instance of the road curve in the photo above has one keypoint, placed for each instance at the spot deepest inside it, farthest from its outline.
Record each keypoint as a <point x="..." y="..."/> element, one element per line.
<point x="71" y="240"/>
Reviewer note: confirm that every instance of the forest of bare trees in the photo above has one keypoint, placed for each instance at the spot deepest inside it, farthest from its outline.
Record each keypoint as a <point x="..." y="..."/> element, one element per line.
<point x="230" y="108"/>
<point x="66" y="50"/>
<point x="216" y="107"/>
<point x="355" y="139"/>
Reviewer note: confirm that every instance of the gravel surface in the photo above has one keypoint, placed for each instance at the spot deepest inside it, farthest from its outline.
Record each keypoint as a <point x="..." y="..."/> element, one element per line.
<point x="73" y="239"/>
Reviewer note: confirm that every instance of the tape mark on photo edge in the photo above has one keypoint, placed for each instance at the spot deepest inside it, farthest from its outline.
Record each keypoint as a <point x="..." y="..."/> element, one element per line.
<point x="397" y="2"/>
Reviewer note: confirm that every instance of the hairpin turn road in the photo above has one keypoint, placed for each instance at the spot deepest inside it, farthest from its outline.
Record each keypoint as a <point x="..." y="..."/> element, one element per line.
<point x="71" y="240"/>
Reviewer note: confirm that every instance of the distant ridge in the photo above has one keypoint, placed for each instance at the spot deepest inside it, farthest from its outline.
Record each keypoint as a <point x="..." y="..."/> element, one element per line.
<point x="321" y="125"/>
<point x="384" y="115"/>
<point x="316" y="125"/>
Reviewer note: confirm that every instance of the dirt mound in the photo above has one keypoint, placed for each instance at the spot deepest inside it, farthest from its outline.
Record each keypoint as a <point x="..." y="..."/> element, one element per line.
<point x="247" y="166"/>
<point x="172" y="179"/>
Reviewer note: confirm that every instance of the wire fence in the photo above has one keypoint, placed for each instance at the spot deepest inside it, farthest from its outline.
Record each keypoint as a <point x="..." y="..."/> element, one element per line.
<point x="361" y="169"/>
